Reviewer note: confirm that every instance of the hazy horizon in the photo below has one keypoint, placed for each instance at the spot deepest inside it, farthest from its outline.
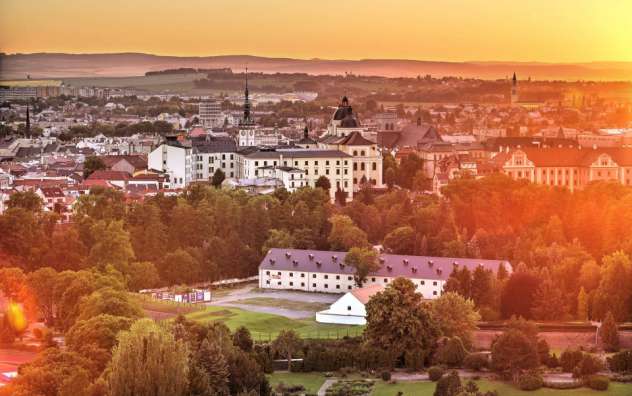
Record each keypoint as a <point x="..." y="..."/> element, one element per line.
<point x="564" y="31"/>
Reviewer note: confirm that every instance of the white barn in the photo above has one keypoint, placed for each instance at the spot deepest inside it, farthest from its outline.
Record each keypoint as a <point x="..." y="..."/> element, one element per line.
<point x="325" y="271"/>
<point x="350" y="308"/>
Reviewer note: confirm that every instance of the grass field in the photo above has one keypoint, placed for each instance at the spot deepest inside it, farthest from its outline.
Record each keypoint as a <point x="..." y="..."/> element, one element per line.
<point x="427" y="388"/>
<point x="311" y="381"/>
<point x="265" y="326"/>
<point x="283" y="303"/>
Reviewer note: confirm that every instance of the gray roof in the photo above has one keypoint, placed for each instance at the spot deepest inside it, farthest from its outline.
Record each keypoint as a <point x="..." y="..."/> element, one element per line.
<point x="297" y="153"/>
<point x="393" y="265"/>
<point x="215" y="145"/>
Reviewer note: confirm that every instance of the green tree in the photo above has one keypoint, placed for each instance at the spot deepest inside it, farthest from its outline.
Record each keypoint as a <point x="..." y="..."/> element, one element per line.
<point x="456" y="316"/>
<point x="109" y="301"/>
<point x="218" y="178"/>
<point x="364" y="261"/>
<point x="12" y="280"/>
<point x="582" y="305"/>
<point x="400" y="325"/>
<point x="94" y="338"/>
<point x="142" y="275"/>
<point x="610" y="334"/>
<point x="514" y="352"/>
<point x="287" y="344"/>
<point x="401" y="240"/>
<point x="112" y="246"/>
<point x="324" y="183"/>
<point x="211" y="360"/>
<point x="345" y="235"/>
<point x="26" y="200"/>
<point x="613" y="293"/>
<point x="148" y="361"/>
<point x="242" y="339"/>
<point x="549" y="301"/>
<point x="179" y="267"/>
<point x="41" y="284"/>
<point x="278" y="239"/>
<point x="92" y="164"/>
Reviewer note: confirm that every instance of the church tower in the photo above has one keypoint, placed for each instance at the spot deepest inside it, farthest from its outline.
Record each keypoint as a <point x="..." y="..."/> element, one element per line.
<point x="246" y="124"/>
<point x="514" y="90"/>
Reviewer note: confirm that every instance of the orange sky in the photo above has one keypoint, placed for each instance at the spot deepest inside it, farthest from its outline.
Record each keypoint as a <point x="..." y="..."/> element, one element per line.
<point x="507" y="30"/>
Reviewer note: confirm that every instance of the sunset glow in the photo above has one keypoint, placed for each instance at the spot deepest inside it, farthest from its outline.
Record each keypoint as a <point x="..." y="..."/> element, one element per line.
<point x="537" y="30"/>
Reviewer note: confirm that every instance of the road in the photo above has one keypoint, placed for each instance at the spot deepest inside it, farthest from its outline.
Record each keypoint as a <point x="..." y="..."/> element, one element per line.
<point x="250" y="291"/>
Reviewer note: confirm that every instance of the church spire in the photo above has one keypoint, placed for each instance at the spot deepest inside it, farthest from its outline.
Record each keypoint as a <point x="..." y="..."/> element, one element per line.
<point x="247" y="119"/>
<point x="27" y="130"/>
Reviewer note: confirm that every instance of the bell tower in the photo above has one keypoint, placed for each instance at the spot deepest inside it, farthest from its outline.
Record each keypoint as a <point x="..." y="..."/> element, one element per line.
<point x="514" y="90"/>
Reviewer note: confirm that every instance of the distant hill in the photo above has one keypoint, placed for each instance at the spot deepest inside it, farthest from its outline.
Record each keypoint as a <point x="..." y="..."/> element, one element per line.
<point x="53" y="65"/>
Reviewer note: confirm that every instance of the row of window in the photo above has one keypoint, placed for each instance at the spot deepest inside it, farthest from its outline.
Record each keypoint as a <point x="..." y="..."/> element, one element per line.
<point x="349" y="278"/>
<point x="337" y="286"/>
<point x="362" y="166"/>
<point x="285" y="163"/>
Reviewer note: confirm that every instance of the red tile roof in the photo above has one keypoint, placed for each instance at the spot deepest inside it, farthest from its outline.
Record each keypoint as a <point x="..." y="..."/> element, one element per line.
<point x="108" y="175"/>
<point x="364" y="294"/>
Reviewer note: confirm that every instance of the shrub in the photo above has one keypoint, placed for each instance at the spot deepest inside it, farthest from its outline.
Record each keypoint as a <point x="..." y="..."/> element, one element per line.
<point x="476" y="361"/>
<point x="386" y="376"/>
<point x="563" y="385"/>
<point x="610" y="334"/>
<point x="589" y="365"/>
<point x="620" y="362"/>
<point x="570" y="359"/>
<point x="435" y="373"/>
<point x="552" y="361"/>
<point x="530" y="381"/>
<point x="449" y="385"/>
<point x="598" y="382"/>
<point x="625" y="378"/>
<point x="452" y="352"/>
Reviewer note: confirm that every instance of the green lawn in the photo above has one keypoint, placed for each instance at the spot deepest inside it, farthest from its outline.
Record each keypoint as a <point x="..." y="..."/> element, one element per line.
<point x="265" y="326"/>
<point x="283" y="303"/>
<point x="427" y="388"/>
<point x="311" y="381"/>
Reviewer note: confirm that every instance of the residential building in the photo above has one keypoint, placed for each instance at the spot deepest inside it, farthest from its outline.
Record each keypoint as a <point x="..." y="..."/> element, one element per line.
<point x="567" y="167"/>
<point x="210" y="113"/>
<point x="334" y="164"/>
<point x="326" y="271"/>
<point x="174" y="159"/>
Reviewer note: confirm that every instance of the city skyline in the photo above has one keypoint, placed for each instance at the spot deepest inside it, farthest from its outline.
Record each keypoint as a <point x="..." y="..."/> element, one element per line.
<point x="481" y="30"/>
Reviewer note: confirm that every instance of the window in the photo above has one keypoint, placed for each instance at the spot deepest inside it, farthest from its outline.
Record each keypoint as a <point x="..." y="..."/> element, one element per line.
<point x="349" y="287"/>
<point x="314" y="276"/>
<point x="362" y="153"/>
<point x="348" y="307"/>
<point x="372" y="279"/>
<point x="362" y="166"/>
<point x="337" y="276"/>
<point x="337" y="286"/>
<point x="434" y="283"/>
<point x="422" y="283"/>
<point x="374" y="165"/>
<point x="326" y="162"/>
<point x="313" y="285"/>
<point x="326" y="286"/>
<point x="279" y="273"/>
<point x="302" y="284"/>
<point x="291" y="274"/>
<point x="291" y="283"/>
<point x="349" y="278"/>
<point x="267" y="272"/>
<point x="267" y="282"/>
<point x="385" y="280"/>
<point x="279" y="283"/>
<point x="434" y="293"/>
<point x="326" y="276"/>
<point x="355" y="152"/>
<point x="302" y="275"/>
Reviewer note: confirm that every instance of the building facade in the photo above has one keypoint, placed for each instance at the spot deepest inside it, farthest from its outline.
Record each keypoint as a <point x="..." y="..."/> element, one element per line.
<point x="326" y="272"/>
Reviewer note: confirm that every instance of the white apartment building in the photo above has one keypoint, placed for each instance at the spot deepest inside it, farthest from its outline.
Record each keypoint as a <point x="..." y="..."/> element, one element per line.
<point x="210" y="113"/>
<point x="254" y="136"/>
<point x="334" y="164"/>
<point x="292" y="178"/>
<point x="174" y="159"/>
<point x="195" y="160"/>
<point x="326" y="272"/>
